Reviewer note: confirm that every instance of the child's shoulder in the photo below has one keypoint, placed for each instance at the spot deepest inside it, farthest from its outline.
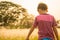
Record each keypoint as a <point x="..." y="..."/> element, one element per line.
<point x="51" y="15"/>
<point x="38" y="16"/>
<point x="44" y="15"/>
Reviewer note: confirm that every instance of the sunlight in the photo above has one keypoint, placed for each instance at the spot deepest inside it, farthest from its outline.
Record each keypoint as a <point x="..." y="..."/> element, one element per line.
<point x="31" y="6"/>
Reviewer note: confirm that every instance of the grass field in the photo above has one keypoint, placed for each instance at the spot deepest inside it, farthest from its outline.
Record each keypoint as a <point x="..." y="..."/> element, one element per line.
<point x="18" y="34"/>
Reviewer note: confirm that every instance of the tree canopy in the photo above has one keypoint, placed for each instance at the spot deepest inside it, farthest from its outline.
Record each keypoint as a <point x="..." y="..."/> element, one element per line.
<point x="14" y="14"/>
<point x="9" y="12"/>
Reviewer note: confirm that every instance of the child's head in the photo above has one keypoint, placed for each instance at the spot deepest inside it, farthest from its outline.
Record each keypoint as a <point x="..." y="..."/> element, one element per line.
<point x="42" y="7"/>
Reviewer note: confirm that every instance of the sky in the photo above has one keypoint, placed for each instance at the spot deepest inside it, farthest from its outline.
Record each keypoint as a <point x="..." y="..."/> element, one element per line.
<point x="31" y="6"/>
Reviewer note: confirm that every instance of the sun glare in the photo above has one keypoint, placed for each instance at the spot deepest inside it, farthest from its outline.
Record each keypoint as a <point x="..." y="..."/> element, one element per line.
<point x="31" y="6"/>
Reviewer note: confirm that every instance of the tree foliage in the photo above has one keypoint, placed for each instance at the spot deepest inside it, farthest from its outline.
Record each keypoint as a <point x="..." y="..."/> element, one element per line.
<point x="9" y="12"/>
<point x="14" y="15"/>
<point x="27" y="21"/>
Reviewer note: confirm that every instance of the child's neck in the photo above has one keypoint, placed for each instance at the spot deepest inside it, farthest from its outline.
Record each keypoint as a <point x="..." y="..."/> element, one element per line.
<point x="44" y="12"/>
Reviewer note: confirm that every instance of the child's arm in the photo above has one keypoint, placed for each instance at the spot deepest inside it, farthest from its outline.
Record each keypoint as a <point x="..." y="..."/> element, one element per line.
<point x="31" y="30"/>
<point x="54" y="28"/>
<point x="56" y="33"/>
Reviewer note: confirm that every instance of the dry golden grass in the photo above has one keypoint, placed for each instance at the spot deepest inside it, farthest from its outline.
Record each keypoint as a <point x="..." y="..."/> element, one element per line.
<point x="11" y="33"/>
<point x="18" y="33"/>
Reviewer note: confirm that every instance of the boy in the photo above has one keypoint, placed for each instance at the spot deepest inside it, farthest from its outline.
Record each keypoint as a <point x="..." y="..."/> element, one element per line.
<point x="46" y="24"/>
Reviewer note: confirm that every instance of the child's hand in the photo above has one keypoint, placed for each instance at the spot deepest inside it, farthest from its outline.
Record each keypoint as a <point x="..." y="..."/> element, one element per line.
<point x="57" y="38"/>
<point x="27" y="38"/>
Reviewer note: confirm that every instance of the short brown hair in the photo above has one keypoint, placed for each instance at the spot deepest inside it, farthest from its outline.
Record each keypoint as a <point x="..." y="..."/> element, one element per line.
<point x="42" y="6"/>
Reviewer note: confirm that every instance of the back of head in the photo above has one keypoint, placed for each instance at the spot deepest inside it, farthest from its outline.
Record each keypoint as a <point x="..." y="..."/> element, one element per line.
<point x="42" y="6"/>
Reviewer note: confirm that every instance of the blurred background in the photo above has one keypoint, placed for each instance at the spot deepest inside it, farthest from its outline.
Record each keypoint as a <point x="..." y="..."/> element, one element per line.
<point x="21" y="13"/>
<point x="13" y="15"/>
<point x="17" y="16"/>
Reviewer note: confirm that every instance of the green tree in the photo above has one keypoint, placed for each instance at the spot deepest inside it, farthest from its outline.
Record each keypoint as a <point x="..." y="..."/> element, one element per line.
<point x="9" y="12"/>
<point x="14" y="15"/>
<point x="27" y="20"/>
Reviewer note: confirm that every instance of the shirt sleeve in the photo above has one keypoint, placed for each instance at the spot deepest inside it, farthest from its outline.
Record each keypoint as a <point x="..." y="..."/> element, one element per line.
<point x="35" y="22"/>
<point x="54" y="22"/>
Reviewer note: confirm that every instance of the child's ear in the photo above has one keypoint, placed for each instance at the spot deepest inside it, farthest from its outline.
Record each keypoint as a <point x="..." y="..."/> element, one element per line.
<point x="40" y="10"/>
<point x="47" y="10"/>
